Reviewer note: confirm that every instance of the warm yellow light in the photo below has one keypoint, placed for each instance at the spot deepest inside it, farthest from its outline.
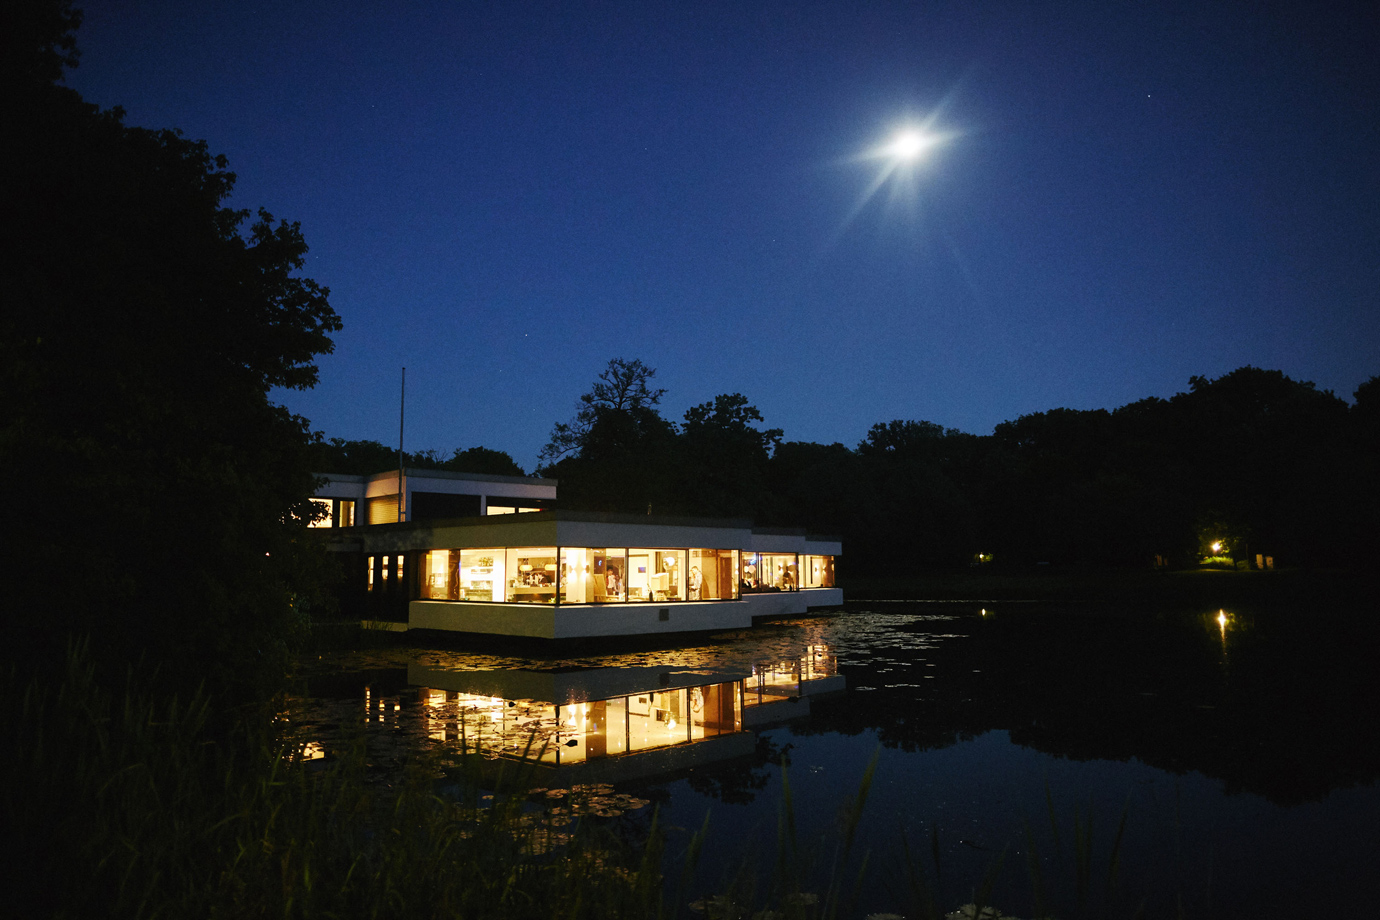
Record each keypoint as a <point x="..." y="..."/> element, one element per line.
<point x="1222" y="618"/>
<point x="1217" y="546"/>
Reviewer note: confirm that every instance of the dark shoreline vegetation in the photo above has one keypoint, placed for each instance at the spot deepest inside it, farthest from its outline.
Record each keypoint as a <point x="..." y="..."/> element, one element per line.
<point x="167" y="581"/>
<point x="1125" y="591"/>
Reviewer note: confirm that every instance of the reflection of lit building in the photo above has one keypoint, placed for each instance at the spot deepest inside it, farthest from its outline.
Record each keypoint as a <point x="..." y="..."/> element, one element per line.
<point x="462" y="561"/>
<point x="615" y="723"/>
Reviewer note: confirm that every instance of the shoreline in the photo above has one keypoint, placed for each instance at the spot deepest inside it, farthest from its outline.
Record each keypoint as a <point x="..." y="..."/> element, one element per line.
<point x="1132" y="590"/>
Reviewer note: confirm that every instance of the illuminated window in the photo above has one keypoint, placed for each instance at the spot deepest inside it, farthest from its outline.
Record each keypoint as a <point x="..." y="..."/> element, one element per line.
<point x="372" y="562"/>
<point x="480" y="574"/>
<point x="763" y="572"/>
<point x="323" y="507"/>
<point x="345" y="512"/>
<point x="532" y="574"/>
<point x="817" y="571"/>
<point x="608" y="575"/>
<point x="439" y="582"/>
<point x="712" y="575"/>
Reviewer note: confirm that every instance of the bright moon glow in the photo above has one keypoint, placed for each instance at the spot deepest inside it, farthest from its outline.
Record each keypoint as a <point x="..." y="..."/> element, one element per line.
<point x="899" y="165"/>
<point x="909" y="145"/>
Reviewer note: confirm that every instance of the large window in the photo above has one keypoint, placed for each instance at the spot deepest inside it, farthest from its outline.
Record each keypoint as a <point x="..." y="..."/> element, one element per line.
<point x="763" y="572"/>
<point x="712" y="575"/>
<point x="531" y="575"/>
<point x="656" y="575"/>
<point x="577" y="575"/>
<point x="481" y="574"/>
<point x="339" y="512"/>
<point x="817" y="571"/>
<point x="593" y="575"/>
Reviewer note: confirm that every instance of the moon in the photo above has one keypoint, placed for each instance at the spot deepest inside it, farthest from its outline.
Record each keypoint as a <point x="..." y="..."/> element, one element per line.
<point x="909" y="145"/>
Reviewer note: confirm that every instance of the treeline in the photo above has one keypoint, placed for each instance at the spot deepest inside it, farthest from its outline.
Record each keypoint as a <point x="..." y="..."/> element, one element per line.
<point x="363" y="458"/>
<point x="1253" y="461"/>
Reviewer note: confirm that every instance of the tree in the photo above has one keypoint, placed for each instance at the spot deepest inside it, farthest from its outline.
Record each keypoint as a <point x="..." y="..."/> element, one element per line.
<point x="725" y="458"/>
<point x="618" y="453"/>
<point x="365" y="458"/>
<point x="165" y="496"/>
<point x="622" y="389"/>
<point x="1269" y="456"/>
<point x="482" y="460"/>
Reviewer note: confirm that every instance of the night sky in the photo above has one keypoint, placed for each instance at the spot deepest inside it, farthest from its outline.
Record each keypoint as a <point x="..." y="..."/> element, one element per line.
<point x="504" y="196"/>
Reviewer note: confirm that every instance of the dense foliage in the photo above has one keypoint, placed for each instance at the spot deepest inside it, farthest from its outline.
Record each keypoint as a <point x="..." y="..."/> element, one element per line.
<point x="158" y="494"/>
<point x="1253" y="459"/>
<point x="364" y="458"/>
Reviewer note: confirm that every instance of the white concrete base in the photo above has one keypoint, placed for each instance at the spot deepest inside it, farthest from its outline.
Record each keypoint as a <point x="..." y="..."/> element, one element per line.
<point x="792" y="603"/>
<point x="541" y="621"/>
<point x="575" y="621"/>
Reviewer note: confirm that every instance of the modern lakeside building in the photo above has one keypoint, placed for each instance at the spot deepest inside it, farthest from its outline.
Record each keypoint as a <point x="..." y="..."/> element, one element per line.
<point x="473" y="553"/>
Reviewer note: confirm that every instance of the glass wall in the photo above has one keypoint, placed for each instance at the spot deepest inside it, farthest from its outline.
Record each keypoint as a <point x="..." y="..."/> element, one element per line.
<point x="712" y="575"/>
<point x="531" y="575"/>
<point x="437" y="577"/>
<point x="480" y="574"/>
<point x="656" y="575"/>
<point x="817" y="571"/>
<point x="769" y="572"/>
<point x="593" y="575"/>
<point x="590" y="575"/>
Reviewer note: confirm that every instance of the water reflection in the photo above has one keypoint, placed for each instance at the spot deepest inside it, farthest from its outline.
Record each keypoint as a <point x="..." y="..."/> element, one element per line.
<point x="979" y="708"/>
<point x="592" y="722"/>
<point x="1264" y="702"/>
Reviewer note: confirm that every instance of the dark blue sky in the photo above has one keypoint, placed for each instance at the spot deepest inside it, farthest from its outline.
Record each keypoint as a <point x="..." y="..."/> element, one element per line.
<point x="504" y="196"/>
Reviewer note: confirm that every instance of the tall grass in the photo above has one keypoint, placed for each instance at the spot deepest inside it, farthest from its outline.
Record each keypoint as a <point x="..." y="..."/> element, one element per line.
<point x="128" y="806"/>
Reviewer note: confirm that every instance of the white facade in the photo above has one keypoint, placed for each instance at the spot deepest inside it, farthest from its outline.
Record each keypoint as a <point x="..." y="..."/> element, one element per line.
<point x="552" y="574"/>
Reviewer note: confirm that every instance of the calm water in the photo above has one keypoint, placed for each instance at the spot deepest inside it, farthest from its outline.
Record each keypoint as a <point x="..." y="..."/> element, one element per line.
<point x="1242" y="748"/>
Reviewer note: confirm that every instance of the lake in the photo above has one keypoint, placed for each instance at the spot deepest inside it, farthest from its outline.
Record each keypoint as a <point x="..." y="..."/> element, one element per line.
<point x="1222" y="762"/>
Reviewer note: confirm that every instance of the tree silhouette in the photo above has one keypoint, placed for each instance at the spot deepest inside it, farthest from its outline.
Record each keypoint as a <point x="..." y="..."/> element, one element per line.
<point x="618" y="453"/>
<point x="145" y="325"/>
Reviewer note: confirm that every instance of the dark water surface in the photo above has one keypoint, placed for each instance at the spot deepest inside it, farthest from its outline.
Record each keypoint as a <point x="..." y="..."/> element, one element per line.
<point x="1237" y="751"/>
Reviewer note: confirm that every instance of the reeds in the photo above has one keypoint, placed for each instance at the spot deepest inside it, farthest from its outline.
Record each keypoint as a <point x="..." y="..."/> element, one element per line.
<point x="127" y="806"/>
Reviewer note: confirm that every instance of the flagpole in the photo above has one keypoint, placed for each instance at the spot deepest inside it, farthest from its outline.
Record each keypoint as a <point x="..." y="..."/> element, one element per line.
<point x="402" y="407"/>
